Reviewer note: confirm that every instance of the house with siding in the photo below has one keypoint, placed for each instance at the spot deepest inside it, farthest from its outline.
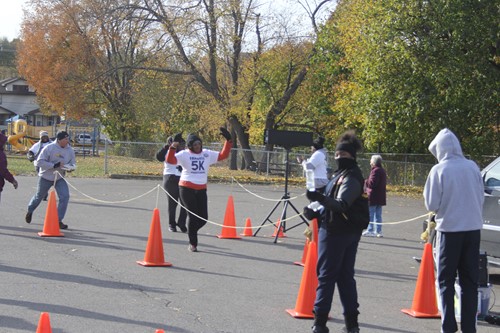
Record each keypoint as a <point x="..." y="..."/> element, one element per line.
<point x="18" y="100"/>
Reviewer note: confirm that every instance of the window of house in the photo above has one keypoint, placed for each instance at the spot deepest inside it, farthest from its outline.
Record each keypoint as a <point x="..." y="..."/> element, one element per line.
<point x="20" y="88"/>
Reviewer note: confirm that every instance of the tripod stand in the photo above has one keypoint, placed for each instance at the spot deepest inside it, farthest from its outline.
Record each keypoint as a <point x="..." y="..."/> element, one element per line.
<point x="285" y="199"/>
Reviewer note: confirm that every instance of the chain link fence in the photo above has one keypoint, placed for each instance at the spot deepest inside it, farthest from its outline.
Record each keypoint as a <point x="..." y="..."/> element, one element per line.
<point x="401" y="169"/>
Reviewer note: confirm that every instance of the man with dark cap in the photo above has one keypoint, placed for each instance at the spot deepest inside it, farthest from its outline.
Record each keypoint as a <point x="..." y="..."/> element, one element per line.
<point x="171" y="177"/>
<point x="195" y="162"/>
<point x="5" y="174"/>
<point x="317" y="164"/>
<point x="342" y="218"/>
<point x="36" y="149"/>
<point x="57" y="157"/>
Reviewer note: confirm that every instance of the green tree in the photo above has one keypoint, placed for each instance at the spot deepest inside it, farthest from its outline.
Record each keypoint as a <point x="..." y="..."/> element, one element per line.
<point x="418" y="66"/>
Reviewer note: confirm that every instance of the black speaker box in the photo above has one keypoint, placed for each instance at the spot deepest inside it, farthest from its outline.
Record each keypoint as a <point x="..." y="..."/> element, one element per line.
<point x="483" y="270"/>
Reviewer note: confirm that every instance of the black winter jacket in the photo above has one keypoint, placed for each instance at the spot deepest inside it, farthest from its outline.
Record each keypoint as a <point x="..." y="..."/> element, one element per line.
<point x="346" y="204"/>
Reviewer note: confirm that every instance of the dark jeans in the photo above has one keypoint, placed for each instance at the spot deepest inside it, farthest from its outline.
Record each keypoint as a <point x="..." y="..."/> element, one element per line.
<point x="458" y="251"/>
<point x="171" y="185"/>
<point x="336" y="259"/>
<point x="196" y="202"/>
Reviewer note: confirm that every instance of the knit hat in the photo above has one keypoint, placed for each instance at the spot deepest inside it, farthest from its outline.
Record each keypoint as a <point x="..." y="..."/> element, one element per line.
<point x="61" y="135"/>
<point x="44" y="133"/>
<point x="349" y="142"/>
<point x="191" y="139"/>
<point x="318" y="143"/>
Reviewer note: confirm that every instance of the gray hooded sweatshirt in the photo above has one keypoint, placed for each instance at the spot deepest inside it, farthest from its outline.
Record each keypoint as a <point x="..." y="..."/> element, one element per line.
<point x="454" y="189"/>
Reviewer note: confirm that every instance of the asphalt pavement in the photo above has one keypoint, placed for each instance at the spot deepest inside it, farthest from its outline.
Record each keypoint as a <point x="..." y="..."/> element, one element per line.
<point x="89" y="280"/>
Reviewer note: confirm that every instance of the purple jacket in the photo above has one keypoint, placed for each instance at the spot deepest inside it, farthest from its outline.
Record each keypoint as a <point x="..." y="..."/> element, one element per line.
<point x="375" y="186"/>
<point x="4" y="172"/>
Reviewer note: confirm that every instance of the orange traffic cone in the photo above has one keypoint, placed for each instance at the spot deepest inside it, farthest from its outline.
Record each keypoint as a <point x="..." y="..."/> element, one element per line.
<point x="302" y="261"/>
<point x="279" y="230"/>
<point x="44" y="324"/>
<point x="51" y="224"/>
<point x="247" y="231"/>
<point x="307" y="290"/>
<point x="424" y="299"/>
<point x="229" y="227"/>
<point x="160" y="331"/>
<point x="314" y="226"/>
<point x="154" y="250"/>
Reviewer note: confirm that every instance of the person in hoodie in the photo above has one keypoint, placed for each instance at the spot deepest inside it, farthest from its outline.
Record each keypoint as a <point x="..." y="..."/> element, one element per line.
<point x="5" y="174"/>
<point x="195" y="162"/>
<point x="454" y="191"/>
<point x="318" y="163"/>
<point x="54" y="157"/>
<point x="341" y="220"/>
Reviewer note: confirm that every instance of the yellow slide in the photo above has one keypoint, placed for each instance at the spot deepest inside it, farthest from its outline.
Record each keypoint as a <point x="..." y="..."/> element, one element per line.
<point x="19" y="130"/>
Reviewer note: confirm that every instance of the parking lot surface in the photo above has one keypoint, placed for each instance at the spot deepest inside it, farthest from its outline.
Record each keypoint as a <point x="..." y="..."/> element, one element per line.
<point x="89" y="281"/>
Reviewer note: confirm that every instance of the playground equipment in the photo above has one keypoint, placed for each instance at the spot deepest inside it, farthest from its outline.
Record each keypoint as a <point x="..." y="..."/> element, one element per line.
<point x="19" y="131"/>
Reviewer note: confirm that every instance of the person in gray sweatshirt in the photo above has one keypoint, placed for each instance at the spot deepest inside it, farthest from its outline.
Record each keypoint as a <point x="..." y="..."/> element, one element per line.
<point x="58" y="156"/>
<point x="454" y="191"/>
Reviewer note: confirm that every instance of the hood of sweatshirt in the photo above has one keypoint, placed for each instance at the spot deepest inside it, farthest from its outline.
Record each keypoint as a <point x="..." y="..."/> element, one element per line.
<point x="446" y="146"/>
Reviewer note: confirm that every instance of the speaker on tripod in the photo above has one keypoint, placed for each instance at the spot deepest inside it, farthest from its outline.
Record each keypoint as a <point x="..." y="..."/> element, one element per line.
<point x="288" y="140"/>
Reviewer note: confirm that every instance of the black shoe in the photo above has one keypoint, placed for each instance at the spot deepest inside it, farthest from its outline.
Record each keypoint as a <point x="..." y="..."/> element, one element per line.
<point x="45" y="198"/>
<point x="320" y="329"/>
<point x="352" y="330"/>
<point x="172" y="229"/>
<point x="63" y="226"/>
<point x="28" y="217"/>
<point x="183" y="228"/>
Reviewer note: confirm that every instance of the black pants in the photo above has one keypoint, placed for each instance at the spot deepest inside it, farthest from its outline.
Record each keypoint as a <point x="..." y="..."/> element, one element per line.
<point x="171" y="185"/>
<point x="458" y="252"/>
<point x="196" y="202"/>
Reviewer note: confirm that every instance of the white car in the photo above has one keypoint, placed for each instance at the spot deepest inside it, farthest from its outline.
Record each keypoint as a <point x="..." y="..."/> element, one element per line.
<point x="490" y="236"/>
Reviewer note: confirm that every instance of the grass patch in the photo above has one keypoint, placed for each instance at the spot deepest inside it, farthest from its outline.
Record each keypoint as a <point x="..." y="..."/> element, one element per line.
<point x="93" y="167"/>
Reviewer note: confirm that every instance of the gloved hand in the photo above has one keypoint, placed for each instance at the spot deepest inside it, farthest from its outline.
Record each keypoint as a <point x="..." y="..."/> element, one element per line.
<point x="310" y="214"/>
<point x="57" y="165"/>
<point x="31" y="156"/>
<point x="225" y="133"/>
<point x="178" y="137"/>
<point x="15" y="184"/>
<point x="315" y="196"/>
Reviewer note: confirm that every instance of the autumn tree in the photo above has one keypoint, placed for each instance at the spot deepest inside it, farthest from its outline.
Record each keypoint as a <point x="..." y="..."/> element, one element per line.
<point x="76" y="54"/>
<point x="206" y="40"/>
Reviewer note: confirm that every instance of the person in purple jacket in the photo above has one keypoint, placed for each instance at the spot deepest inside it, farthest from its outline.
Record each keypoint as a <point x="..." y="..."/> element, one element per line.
<point x="375" y="187"/>
<point x="4" y="172"/>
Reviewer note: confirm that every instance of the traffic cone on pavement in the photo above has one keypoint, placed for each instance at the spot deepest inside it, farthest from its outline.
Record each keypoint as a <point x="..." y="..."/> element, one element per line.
<point x="44" y="324"/>
<point x="160" y="331"/>
<point x="51" y="223"/>
<point x="247" y="231"/>
<point x="314" y="226"/>
<point x="154" y="250"/>
<point x="279" y="230"/>
<point x="307" y="290"/>
<point x="424" y="299"/>
<point x="229" y="227"/>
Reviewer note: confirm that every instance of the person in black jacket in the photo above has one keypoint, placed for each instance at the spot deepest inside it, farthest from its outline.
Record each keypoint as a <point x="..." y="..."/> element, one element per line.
<point x="342" y="218"/>
<point x="171" y="177"/>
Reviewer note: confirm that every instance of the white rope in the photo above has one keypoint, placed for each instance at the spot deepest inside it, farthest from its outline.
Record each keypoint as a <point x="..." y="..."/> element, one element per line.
<point x="268" y="199"/>
<point x="158" y="187"/>
<point x="105" y="201"/>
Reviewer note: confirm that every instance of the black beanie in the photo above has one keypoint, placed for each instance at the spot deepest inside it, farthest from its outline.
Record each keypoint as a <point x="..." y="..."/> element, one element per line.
<point x="318" y="143"/>
<point x="191" y="138"/>
<point x="349" y="142"/>
<point x="62" y="135"/>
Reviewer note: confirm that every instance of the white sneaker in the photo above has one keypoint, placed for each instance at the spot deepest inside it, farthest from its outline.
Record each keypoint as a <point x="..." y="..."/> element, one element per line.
<point x="367" y="233"/>
<point x="380" y="235"/>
